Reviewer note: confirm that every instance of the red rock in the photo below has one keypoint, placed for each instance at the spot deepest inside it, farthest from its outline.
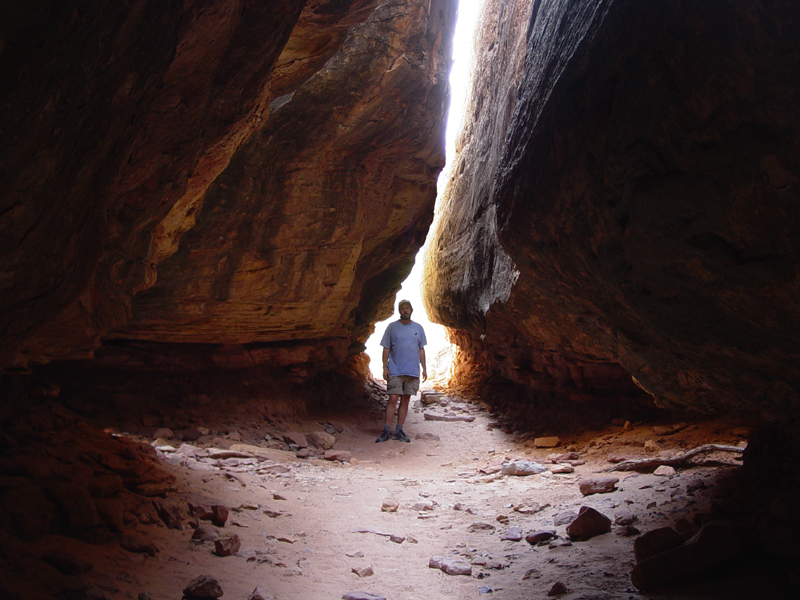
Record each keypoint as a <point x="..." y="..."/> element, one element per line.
<point x="219" y="515"/>
<point x="227" y="546"/>
<point x="655" y="542"/>
<point x="296" y="438"/>
<point x="588" y="524"/>
<point x="715" y="543"/>
<point x="558" y="589"/>
<point x="203" y="586"/>
<point x="340" y="455"/>
<point x="534" y="537"/>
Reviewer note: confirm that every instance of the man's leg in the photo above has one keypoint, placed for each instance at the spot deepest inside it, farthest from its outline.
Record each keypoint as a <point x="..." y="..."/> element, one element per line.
<point x="390" y="408"/>
<point x="399" y="434"/>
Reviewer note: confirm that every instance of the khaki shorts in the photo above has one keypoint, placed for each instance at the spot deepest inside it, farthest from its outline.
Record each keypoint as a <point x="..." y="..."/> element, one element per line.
<point x="402" y="385"/>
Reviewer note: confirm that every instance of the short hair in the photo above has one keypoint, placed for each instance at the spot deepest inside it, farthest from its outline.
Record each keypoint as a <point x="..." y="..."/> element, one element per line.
<point x="400" y="304"/>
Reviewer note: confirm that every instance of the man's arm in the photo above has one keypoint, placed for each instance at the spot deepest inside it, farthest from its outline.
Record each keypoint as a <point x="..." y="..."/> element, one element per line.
<point x="385" y="360"/>
<point x="422" y="362"/>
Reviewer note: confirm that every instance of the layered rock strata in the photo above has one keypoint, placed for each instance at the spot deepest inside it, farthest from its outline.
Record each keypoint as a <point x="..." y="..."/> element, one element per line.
<point x="219" y="172"/>
<point x="636" y="201"/>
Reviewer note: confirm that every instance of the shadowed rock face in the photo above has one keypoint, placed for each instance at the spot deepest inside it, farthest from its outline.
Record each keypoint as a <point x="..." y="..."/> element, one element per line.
<point x="638" y="205"/>
<point x="214" y="172"/>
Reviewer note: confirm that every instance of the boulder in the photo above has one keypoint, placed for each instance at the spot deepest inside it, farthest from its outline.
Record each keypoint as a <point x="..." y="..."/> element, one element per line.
<point x="588" y="524"/>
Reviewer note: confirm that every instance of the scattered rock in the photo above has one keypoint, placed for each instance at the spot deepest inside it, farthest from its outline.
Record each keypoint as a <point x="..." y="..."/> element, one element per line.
<point x="390" y="504"/>
<point x="203" y="586"/>
<point x="219" y="515"/>
<point x="664" y="471"/>
<point x="303" y="453"/>
<point x="598" y="485"/>
<point x="192" y="435"/>
<point x="427" y="436"/>
<point x="260" y="594"/>
<point x="451" y="566"/>
<point x="650" y="446"/>
<point x="363" y="571"/>
<point x="715" y="543"/>
<point x="546" y="442"/>
<point x="532" y="573"/>
<point x="164" y="433"/>
<point x="337" y="425"/>
<point x="321" y="439"/>
<point x="558" y="589"/>
<point x="340" y="455"/>
<point x="204" y="533"/>
<point x="530" y="509"/>
<point x="628" y="531"/>
<point x="137" y="545"/>
<point x="655" y="542"/>
<point x="227" y="546"/>
<point x="481" y="526"/>
<point x="512" y="534"/>
<point x="429" y="416"/>
<point x="695" y="485"/>
<point x="624" y="517"/>
<point x="296" y="438"/>
<point x="565" y="518"/>
<point x="588" y="524"/>
<point x="362" y="596"/>
<point x="540" y="535"/>
<point x="562" y="468"/>
<point x="423" y="505"/>
<point x="522" y="468"/>
<point x="616" y="458"/>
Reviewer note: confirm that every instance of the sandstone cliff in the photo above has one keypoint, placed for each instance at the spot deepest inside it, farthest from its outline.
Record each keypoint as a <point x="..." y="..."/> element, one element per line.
<point x="225" y="171"/>
<point x="637" y="197"/>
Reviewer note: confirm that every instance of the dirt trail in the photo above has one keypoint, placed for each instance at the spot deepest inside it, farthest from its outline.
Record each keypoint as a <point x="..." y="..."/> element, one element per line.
<point x="298" y="529"/>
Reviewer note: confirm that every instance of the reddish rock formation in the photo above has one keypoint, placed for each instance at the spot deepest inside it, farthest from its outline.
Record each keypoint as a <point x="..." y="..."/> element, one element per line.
<point x="269" y="167"/>
<point x="625" y="204"/>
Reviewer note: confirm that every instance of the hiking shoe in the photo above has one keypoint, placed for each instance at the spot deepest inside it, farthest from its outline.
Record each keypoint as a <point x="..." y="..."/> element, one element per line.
<point x="384" y="436"/>
<point x="401" y="436"/>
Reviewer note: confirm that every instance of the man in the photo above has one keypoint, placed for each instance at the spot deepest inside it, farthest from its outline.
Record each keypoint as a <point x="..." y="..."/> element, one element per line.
<point x="403" y="352"/>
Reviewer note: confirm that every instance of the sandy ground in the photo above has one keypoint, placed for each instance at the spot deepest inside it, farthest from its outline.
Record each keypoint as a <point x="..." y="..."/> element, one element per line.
<point x="299" y="529"/>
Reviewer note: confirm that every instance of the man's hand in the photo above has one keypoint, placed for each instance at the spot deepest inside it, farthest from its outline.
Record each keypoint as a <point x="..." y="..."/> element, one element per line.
<point x="385" y="372"/>
<point x="424" y="374"/>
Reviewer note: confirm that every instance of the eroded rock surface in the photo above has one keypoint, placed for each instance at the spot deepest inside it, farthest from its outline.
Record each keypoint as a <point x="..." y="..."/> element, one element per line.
<point x="623" y="207"/>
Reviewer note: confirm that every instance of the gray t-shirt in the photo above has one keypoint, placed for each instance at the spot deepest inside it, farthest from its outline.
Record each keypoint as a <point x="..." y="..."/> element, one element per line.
<point x="404" y="342"/>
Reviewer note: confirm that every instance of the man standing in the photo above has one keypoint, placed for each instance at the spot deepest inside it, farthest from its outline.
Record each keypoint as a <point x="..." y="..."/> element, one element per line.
<point x="403" y="352"/>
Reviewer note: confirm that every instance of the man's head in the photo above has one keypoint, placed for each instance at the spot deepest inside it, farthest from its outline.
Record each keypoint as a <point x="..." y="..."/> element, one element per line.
<point x="405" y="309"/>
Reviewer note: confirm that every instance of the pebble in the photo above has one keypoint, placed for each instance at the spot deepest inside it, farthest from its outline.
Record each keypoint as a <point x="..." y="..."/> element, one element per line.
<point x="362" y="596"/>
<point x="203" y="586"/>
<point x="227" y="546"/>
<point x="363" y="571"/>
<point x="512" y="534"/>
<point x="427" y="436"/>
<point x="340" y="455"/>
<point x="522" y="468"/>
<point x="423" y="505"/>
<point x="664" y="471"/>
<point x="624" y="517"/>
<point x="562" y="468"/>
<point x="655" y="542"/>
<point x="321" y="439"/>
<point x="260" y="594"/>
<point x="296" y="438"/>
<point x="558" y="589"/>
<point x="547" y="442"/>
<point x="565" y="518"/>
<point x="598" y="485"/>
<point x="204" y="533"/>
<point x="481" y="526"/>
<point x="451" y="566"/>
<point x="390" y="504"/>
<point x="540" y="535"/>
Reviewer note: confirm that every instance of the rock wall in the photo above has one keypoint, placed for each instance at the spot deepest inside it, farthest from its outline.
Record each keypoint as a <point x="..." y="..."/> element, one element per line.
<point x="214" y="172"/>
<point x="637" y="202"/>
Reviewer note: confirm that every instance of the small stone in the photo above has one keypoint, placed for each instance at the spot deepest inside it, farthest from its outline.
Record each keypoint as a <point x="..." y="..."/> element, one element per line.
<point x="664" y="471"/>
<point x="512" y="534"/>
<point x="558" y="589"/>
<point x="427" y="436"/>
<point x="565" y="518"/>
<point x="695" y="485"/>
<point x="362" y="596"/>
<point x="303" y="453"/>
<point x="192" y="434"/>
<point x="390" y="504"/>
<point x="204" y="533"/>
<point x="340" y="455"/>
<point x="532" y="573"/>
<point x="662" y="430"/>
<point x="540" y="535"/>
<point x="203" y="586"/>
<point x="562" y="468"/>
<point x="546" y="442"/>
<point x="628" y="531"/>
<point x="296" y="438"/>
<point x="363" y="571"/>
<point x="227" y="546"/>
<point x="219" y="515"/>
<point x="424" y="505"/>
<point x="480" y="526"/>
<point x="260" y="594"/>
<point x="650" y="446"/>
<point x="615" y="458"/>
<point x="164" y="433"/>
<point x="522" y="468"/>
<point x="321" y="439"/>
<point x="598" y="485"/>
<point x="588" y="524"/>
<point x="451" y="566"/>
<point x="624" y="517"/>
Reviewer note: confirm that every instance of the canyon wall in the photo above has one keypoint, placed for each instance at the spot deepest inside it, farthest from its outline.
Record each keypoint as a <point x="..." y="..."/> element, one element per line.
<point x="623" y="209"/>
<point x="214" y="174"/>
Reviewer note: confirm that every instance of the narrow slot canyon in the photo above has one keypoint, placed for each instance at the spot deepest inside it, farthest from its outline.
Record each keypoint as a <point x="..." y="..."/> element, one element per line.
<point x="209" y="207"/>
